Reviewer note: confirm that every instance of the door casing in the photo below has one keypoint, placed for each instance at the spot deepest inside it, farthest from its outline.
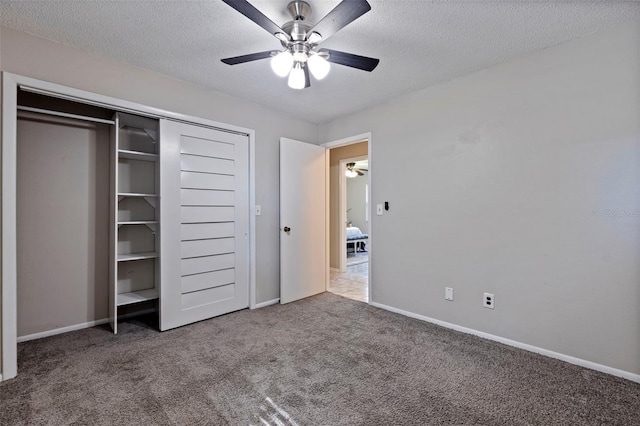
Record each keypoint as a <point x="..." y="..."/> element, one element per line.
<point x="344" y="142"/>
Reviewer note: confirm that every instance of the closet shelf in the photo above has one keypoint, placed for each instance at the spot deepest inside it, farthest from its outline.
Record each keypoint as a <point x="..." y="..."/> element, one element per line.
<point x="138" y="222"/>
<point x="137" y="256"/>
<point x="141" y="131"/>
<point x="137" y="155"/>
<point x="137" y="296"/>
<point x="135" y="194"/>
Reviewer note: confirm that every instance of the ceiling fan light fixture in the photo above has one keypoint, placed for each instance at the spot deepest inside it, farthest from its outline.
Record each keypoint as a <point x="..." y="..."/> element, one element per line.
<point x="314" y="38"/>
<point x="351" y="173"/>
<point x="281" y="63"/>
<point x="318" y="66"/>
<point x="296" y="77"/>
<point x="283" y="37"/>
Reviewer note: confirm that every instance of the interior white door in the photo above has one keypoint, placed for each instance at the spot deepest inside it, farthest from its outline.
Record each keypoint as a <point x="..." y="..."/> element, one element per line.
<point x="303" y="214"/>
<point x="204" y="208"/>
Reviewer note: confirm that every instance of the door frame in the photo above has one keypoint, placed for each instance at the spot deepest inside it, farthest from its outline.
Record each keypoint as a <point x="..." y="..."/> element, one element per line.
<point x="350" y="140"/>
<point x="8" y="288"/>
<point x="343" y="204"/>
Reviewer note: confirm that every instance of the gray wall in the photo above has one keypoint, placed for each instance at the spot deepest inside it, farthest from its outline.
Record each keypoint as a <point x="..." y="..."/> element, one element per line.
<point x="63" y="222"/>
<point x="520" y="180"/>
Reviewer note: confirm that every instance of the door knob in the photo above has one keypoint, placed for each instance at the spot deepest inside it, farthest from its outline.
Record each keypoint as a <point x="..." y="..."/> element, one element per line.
<point x="286" y="229"/>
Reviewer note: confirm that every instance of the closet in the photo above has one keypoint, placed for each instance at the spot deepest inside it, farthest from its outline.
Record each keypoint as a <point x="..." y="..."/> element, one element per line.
<point x="121" y="213"/>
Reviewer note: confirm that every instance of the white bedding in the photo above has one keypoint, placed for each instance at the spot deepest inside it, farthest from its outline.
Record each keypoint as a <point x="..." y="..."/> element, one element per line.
<point x="353" y="230"/>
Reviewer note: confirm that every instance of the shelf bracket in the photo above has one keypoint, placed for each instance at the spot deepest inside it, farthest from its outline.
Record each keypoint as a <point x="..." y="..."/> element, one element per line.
<point x="151" y="201"/>
<point x="153" y="227"/>
<point x="143" y="131"/>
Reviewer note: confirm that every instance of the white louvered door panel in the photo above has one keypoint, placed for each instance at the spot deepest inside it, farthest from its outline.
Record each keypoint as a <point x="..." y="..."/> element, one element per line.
<point x="205" y="223"/>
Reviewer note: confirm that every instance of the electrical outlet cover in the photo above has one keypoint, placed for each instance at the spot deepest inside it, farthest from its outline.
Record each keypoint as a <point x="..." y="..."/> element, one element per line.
<point x="488" y="300"/>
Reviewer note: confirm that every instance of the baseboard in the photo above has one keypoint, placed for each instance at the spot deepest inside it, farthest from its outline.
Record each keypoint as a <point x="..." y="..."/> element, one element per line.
<point x="567" y="358"/>
<point x="76" y="327"/>
<point x="62" y="330"/>
<point x="334" y="269"/>
<point x="267" y="303"/>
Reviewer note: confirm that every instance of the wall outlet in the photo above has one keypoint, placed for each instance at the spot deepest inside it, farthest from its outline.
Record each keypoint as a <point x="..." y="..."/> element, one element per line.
<point x="488" y="300"/>
<point x="448" y="293"/>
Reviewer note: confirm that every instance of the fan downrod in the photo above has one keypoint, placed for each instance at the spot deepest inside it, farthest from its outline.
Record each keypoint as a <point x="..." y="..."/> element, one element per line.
<point x="299" y="10"/>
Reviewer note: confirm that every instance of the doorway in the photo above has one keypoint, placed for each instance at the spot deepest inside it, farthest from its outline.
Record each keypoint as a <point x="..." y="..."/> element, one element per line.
<point x="349" y="219"/>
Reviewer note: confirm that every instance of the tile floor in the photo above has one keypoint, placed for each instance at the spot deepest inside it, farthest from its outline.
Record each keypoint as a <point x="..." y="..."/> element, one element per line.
<point x="353" y="283"/>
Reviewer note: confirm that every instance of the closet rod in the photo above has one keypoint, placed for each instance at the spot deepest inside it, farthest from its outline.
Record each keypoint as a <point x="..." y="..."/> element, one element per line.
<point x="66" y="115"/>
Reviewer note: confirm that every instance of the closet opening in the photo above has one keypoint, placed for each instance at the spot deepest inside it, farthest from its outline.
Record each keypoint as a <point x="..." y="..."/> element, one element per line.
<point x="64" y="217"/>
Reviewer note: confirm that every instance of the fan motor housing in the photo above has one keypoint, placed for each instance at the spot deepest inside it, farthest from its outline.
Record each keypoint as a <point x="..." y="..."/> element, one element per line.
<point x="299" y="10"/>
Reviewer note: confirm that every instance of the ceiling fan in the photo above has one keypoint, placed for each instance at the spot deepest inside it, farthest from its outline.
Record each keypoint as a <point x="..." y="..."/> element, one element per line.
<point x="352" y="171"/>
<point x="300" y="40"/>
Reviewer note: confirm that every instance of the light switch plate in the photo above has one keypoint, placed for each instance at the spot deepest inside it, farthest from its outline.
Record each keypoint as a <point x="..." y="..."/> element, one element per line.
<point x="379" y="209"/>
<point x="448" y="293"/>
<point x="258" y="210"/>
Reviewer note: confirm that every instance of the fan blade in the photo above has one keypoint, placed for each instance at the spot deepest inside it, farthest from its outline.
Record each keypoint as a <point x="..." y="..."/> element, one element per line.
<point x="358" y="172"/>
<point x="248" y="10"/>
<point x="246" y="58"/>
<point x="307" y="80"/>
<point x="350" y="60"/>
<point x="342" y="15"/>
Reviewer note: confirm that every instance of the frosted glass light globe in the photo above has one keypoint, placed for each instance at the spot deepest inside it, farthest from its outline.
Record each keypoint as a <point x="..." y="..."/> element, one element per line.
<point x="318" y="66"/>
<point x="296" y="77"/>
<point x="281" y="63"/>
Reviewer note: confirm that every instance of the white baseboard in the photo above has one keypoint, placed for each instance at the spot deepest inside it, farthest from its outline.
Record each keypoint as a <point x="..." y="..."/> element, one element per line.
<point x="62" y="330"/>
<point x="76" y="327"/>
<point x="567" y="358"/>
<point x="334" y="269"/>
<point x="267" y="303"/>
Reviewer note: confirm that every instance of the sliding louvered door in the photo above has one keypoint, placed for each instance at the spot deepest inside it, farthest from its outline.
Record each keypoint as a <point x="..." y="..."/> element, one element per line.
<point x="204" y="206"/>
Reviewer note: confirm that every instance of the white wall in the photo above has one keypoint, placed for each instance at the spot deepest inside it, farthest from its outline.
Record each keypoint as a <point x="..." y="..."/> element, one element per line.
<point x="35" y="57"/>
<point x="356" y="202"/>
<point x="521" y="180"/>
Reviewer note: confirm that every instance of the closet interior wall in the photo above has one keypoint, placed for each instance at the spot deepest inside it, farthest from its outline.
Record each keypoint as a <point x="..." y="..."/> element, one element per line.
<point x="62" y="216"/>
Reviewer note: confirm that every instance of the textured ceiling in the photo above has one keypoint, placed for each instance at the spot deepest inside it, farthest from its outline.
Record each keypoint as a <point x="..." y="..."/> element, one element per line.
<point x="419" y="43"/>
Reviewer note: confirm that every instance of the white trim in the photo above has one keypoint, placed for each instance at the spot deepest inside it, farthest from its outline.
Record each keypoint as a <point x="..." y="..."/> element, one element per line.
<point x="8" y="289"/>
<point x="77" y="95"/>
<point x="62" y="330"/>
<point x="347" y="141"/>
<point x="327" y="218"/>
<point x="252" y="220"/>
<point x="334" y="269"/>
<point x="80" y="326"/>
<point x="267" y="303"/>
<point x="566" y="358"/>
<point x="9" y="231"/>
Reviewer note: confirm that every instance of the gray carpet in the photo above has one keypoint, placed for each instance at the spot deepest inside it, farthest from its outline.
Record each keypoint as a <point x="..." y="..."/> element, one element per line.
<point x="325" y="360"/>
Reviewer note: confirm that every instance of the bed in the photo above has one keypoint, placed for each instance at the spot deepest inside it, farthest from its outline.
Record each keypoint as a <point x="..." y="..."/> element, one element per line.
<point x="357" y="238"/>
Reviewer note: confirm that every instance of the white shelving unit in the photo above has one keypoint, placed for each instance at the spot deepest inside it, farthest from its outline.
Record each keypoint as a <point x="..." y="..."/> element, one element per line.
<point x="135" y="240"/>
